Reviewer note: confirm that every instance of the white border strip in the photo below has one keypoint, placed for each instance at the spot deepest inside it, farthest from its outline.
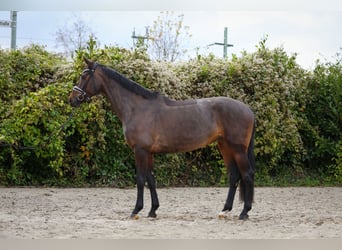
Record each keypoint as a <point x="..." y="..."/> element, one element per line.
<point x="180" y="5"/>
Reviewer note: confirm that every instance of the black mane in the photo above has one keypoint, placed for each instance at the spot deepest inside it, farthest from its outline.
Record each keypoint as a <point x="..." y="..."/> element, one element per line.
<point x="129" y="84"/>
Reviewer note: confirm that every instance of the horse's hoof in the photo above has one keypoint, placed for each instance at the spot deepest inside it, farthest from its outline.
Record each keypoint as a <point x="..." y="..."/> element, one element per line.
<point x="243" y="217"/>
<point x="152" y="215"/>
<point x="135" y="217"/>
<point x="222" y="215"/>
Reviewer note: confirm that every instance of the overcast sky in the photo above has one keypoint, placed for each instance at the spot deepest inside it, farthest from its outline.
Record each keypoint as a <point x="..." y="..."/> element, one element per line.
<point x="311" y="33"/>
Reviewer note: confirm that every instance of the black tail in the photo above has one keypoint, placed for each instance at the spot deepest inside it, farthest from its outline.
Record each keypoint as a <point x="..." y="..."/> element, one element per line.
<point x="251" y="157"/>
<point x="251" y="160"/>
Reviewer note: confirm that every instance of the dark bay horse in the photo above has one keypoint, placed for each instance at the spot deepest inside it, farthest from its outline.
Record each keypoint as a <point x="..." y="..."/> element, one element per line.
<point x="153" y="123"/>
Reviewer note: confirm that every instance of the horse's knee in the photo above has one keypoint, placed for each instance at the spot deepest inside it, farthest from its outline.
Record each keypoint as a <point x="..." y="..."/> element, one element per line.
<point x="151" y="180"/>
<point x="234" y="180"/>
<point x="140" y="180"/>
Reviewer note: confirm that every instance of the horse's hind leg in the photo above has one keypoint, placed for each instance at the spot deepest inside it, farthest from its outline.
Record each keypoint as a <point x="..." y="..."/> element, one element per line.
<point x="246" y="184"/>
<point x="234" y="174"/>
<point x="234" y="177"/>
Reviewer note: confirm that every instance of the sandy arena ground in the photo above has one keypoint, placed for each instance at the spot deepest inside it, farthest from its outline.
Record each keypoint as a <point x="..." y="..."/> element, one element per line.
<point x="45" y="213"/>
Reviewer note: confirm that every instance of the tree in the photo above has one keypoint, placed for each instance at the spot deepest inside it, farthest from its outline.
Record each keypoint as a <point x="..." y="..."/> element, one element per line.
<point x="166" y="37"/>
<point x="73" y="36"/>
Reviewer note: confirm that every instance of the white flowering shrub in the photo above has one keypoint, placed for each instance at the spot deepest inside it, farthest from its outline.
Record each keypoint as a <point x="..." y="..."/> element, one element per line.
<point x="291" y="140"/>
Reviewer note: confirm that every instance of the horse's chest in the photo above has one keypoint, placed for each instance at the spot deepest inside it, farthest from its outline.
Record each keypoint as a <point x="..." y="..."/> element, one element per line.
<point x="137" y="134"/>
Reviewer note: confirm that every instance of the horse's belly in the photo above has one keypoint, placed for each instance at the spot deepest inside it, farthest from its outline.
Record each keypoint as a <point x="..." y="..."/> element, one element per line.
<point x="184" y="129"/>
<point x="183" y="142"/>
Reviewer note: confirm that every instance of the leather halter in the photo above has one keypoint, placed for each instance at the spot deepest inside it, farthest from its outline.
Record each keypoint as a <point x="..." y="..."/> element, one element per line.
<point x="83" y="94"/>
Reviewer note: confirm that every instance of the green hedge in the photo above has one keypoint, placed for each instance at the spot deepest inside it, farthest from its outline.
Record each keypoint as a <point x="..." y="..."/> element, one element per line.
<point x="298" y="133"/>
<point x="322" y="124"/>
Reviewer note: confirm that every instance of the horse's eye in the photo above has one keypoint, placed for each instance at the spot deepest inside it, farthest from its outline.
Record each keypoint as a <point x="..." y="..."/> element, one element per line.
<point x="84" y="73"/>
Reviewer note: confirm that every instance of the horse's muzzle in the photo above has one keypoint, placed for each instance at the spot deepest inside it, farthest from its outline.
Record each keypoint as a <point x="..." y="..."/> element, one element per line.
<point x="74" y="102"/>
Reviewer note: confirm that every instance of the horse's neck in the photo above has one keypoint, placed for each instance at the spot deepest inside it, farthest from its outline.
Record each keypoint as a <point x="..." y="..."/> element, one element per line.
<point x="123" y="102"/>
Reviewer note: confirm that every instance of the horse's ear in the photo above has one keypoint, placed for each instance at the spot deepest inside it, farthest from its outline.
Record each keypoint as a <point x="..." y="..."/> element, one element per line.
<point x="89" y="63"/>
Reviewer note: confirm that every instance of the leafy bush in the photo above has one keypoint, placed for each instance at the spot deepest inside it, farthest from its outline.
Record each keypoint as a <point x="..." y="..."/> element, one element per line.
<point x="31" y="121"/>
<point x="25" y="71"/>
<point x="292" y="139"/>
<point x="322" y="132"/>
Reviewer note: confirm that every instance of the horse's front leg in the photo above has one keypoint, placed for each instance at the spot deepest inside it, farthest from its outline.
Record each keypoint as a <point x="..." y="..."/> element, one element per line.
<point x="141" y="164"/>
<point x="152" y="186"/>
<point x="144" y="167"/>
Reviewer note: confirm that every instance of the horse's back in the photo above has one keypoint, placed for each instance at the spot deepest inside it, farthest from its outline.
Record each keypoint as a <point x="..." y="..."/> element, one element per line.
<point x="173" y="103"/>
<point x="215" y="110"/>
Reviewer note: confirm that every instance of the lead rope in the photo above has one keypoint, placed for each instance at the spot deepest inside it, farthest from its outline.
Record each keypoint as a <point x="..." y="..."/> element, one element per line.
<point x="48" y="140"/>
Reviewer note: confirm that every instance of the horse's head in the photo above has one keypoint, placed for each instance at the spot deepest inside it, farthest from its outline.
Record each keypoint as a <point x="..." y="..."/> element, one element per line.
<point x="85" y="88"/>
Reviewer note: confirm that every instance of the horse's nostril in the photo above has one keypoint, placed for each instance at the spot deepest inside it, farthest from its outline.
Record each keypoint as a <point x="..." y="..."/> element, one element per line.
<point x="72" y="102"/>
